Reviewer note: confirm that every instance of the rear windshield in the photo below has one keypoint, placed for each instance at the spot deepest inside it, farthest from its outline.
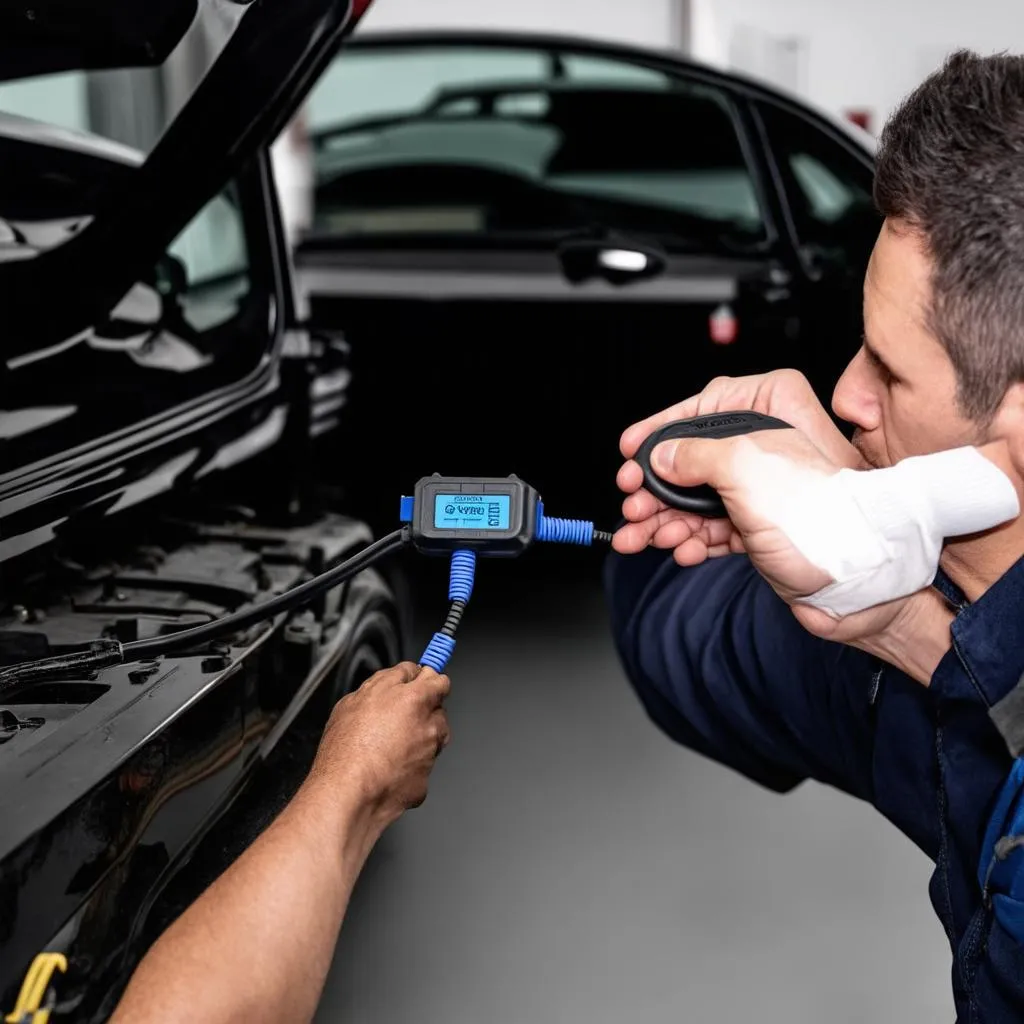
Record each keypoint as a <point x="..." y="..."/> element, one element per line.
<point x="491" y="143"/>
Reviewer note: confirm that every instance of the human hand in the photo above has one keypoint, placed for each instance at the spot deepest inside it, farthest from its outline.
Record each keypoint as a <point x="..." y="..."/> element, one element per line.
<point x="785" y="394"/>
<point x="770" y="482"/>
<point x="386" y="737"/>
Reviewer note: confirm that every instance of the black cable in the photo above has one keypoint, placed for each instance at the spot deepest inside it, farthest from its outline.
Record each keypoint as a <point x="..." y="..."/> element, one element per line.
<point x="104" y="653"/>
<point x="100" y="654"/>
<point x="139" y="650"/>
<point x="454" y="618"/>
<point x="107" y="652"/>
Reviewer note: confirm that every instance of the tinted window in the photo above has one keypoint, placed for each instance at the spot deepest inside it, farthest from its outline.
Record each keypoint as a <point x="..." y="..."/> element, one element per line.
<point x="213" y="253"/>
<point x="197" y="321"/>
<point x="491" y="143"/>
<point x="385" y="83"/>
<point x="828" y="187"/>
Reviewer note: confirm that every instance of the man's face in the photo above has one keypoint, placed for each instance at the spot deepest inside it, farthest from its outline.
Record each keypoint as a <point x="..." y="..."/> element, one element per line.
<point x="900" y="389"/>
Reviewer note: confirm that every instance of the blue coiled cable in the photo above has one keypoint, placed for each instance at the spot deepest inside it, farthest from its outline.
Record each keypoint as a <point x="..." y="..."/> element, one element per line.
<point x="463" y="572"/>
<point x="460" y="588"/>
<point x="567" y="531"/>
<point x="438" y="652"/>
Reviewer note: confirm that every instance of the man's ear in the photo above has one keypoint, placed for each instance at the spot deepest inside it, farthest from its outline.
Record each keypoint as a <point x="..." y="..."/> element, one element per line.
<point x="1008" y="425"/>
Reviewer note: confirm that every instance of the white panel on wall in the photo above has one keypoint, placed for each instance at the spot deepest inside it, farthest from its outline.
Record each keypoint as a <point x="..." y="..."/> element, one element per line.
<point x="863" y="55"/>
<point x="781" y="60"/>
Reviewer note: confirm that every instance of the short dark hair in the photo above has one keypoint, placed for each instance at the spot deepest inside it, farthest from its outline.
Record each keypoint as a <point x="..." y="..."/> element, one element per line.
<point x="951" y="164"/>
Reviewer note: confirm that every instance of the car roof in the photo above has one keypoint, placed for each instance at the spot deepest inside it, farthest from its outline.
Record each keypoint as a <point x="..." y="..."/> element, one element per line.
<point x="665" y="57"/>
<point x="25" y="129"/>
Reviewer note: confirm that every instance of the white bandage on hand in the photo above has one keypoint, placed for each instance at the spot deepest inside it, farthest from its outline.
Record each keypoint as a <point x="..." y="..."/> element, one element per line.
<point x="879" y="533"/>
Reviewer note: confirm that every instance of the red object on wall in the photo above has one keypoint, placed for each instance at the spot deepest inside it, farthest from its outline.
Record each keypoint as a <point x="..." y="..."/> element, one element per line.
<point x="861" y="118"/>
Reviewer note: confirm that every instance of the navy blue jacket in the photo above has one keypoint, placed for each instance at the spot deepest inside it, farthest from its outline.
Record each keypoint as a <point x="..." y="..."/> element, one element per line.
<point x="723" y="667"/>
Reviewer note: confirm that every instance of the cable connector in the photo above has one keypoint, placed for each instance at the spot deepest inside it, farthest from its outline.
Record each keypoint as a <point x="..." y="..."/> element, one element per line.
<point x="567" y="531"/>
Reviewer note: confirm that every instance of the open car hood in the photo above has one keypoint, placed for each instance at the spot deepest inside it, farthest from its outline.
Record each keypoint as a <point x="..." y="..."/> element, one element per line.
<point x="40" y="37"/>
<point x="274" y="56"/>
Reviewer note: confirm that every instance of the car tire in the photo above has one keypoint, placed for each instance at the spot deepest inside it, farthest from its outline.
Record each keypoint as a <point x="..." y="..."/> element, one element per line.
<point x="374" y="646"/>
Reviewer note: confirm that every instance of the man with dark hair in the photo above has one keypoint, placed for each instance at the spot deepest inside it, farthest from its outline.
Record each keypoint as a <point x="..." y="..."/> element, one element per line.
<point x="912" y="705"/>
<point x="950" y="171"/>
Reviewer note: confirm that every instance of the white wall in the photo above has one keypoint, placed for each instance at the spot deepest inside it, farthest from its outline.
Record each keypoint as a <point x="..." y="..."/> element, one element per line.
<point x="867" y="54"/>
<point x="645" y="22"/>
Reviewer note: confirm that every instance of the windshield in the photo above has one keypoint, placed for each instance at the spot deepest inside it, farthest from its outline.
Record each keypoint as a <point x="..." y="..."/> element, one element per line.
<point x="490" y="143"/>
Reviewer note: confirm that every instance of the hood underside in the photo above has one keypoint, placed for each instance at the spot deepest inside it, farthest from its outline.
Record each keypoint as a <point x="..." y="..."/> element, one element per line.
<point x="275" y="52"/>
<point x="46" y="36"/>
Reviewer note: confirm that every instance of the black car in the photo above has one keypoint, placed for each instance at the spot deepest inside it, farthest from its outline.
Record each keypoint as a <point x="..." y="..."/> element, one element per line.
<point x="162" y="404"/>
<point x="531" y="242"/>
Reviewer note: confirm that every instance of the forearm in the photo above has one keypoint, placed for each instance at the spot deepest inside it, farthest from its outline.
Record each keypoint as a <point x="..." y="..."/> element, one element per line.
<point x="257" y="944"/>
<point x="918" y="638"/>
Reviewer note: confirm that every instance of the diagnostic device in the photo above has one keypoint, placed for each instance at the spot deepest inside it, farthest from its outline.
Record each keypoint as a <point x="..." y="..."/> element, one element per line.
<point x="494" y="516"/>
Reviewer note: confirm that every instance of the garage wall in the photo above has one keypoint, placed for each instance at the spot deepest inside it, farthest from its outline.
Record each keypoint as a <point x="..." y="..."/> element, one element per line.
<point x="646" y="22"/>
<point x="849" y="55"/>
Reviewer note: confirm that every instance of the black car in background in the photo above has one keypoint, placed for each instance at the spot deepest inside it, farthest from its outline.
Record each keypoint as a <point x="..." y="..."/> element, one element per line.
<point x="161" y="404"/>
<point x="530" y="242"/>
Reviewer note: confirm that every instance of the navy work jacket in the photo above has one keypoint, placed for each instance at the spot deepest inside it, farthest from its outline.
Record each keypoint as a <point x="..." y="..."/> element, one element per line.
<point x="723" y="667"/>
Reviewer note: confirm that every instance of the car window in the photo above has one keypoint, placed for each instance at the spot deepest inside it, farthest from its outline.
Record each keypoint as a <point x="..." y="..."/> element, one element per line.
<point x="583" y="67"/>
<point x="195" y="322"/>
<point x="490" y="142"/>
<point x="365" y="85"/>
<point x="213" y="254"/>
<point x="828" y="187"/>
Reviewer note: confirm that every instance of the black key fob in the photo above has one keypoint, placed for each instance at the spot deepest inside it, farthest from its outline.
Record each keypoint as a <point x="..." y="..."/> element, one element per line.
<point x="702" y="500"/>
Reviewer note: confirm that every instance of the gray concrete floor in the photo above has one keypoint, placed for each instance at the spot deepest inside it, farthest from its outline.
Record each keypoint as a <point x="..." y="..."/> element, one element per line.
<point x="572" y="864"/>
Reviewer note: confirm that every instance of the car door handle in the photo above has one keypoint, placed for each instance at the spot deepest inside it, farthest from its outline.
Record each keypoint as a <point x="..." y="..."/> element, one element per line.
<point x="584" y="259"/>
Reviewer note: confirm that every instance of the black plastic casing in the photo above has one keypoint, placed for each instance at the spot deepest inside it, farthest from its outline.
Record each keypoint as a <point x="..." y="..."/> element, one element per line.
<point x="497" y="543"/>
<point x="702" y="500"/>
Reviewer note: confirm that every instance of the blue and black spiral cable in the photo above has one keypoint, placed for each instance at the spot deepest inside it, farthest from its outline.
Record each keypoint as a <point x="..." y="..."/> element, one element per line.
<point x="463" y="572"/>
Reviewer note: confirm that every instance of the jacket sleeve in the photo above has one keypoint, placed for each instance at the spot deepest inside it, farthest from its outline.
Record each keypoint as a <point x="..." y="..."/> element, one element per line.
<point x="722" y="666"/>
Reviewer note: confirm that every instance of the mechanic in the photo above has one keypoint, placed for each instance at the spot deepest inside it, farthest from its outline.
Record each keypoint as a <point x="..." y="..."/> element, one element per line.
<point x="256" y="946"/>
<point x="897" y="704"/>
